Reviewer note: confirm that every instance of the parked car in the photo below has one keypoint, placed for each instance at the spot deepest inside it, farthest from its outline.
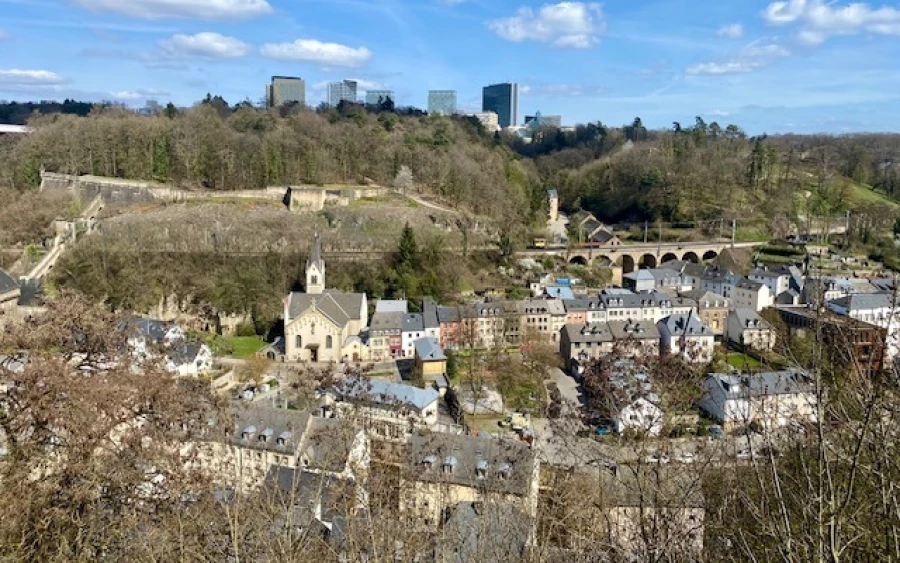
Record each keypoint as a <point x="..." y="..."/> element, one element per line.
<point x="603" y="430"/>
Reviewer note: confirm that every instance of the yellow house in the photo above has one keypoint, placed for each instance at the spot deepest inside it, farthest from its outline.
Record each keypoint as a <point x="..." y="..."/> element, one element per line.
<point x="431" y="362"/>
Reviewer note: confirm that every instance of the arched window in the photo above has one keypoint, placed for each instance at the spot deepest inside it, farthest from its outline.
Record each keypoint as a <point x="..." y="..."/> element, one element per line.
<point x="328" y="341"/>
<point x="315" y="280"/>
<point x="298" y="341"/>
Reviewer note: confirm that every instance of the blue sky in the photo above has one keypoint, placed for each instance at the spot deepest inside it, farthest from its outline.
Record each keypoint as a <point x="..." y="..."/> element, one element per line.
<point x="768" y="66"/>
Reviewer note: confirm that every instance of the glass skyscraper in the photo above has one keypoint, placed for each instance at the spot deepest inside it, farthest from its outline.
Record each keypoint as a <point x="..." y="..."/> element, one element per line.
<point x="442" y="102"/>
<point x="375" y="97"/>
<point x="345" y="90"/>
<point x="502" y="99"/>
<point x="284" y="89"/>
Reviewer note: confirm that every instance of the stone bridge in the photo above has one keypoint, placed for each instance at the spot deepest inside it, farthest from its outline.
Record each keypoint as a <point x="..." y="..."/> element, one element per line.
<point x="641" y="255"/>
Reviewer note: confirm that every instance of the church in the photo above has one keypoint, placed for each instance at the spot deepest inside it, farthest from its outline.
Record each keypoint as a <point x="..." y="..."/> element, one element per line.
<point x="323" y="325"/>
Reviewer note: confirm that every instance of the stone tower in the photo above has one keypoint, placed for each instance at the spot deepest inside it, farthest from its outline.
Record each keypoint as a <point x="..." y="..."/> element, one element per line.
<point x="315" y="269"/>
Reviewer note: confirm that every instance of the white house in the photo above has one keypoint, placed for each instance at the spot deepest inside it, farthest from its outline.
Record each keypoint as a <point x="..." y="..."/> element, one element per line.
<point x="640" y="415"/>
<point x="413" y="329"/>
<point x="778" y="281"/>
<point x="747" y="328"/>
<point x="752" y="295"/>
<point x="151" y="338"/>
<point x="630" y="401"/>
<point x="880" y="309"/>
<point x="686" y="335"/>
<point x="770" y="399"/>
<point x="189" y="358"/>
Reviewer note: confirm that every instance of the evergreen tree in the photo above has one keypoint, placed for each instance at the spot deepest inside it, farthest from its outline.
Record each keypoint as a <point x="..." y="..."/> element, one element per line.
<point x="408" y="251"/>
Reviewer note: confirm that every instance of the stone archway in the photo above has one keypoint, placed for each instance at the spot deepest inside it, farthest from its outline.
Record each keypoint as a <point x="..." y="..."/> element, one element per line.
<point x="668" y="257"/>
<point x="628" y="264"/>
<point x="648" y="261"/>
<point x="710" y="255"/>
<point x="691" y="256"/>
<point x="580" y="260"/>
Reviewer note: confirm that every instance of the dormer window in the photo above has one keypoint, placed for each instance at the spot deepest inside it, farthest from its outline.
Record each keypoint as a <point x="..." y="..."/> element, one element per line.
<point x="429" y="461"/>
<point x="283" y="438"/>
<point x="505" y="471"/>
<point x="265" y="435"/>
<point x="248" y="433"/>
<point x="481" y="469"/>
<point x="449" y="464"/>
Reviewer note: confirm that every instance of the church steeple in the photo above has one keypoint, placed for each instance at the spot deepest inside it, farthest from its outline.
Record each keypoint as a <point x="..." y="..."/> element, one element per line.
<point x="315" y="269"/>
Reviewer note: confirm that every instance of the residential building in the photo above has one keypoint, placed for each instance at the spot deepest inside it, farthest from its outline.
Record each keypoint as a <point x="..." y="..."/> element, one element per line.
<point x="430" y="319"/>
<point x="386" y="336"/>
<point x="151" y="339"/>
<point x="449" y="320"/>
<point x="388" y="411"/>
<point x="378" y="97"/>
<point x="559" y="292"/>
<point x="478" y="531"/>
<point x="627" y="398"/>
<point x="544" y="316"/>
<point x="851" y="343"/>
<point x="639" y="281"/>
<point x="637" y="339"/>
<point x="719" y="281"/>
<point x="751" y="295"/>
<point x="622" y="306"/>
<point x="343" y="91"/>
<point x="285" y="89"/>
<point x="818" y="291"/>
<point x="264" y="437"/>
<point x="442" y="102"/>
<point x="413" y="329"/>
<point x="391" y="306"/>
<point x="591" y="230"/>
<point x="580" y="344"/>
<point x="431" y="362"/>
<point x="687" y="336"/>
<point x="577" y="309"/>
<point x="323" y="325"/>
<point x="691" y="272"/>
<point x="788" y="297"/>
<point x="879" y="309"/>
<point x="444" y="470"/>
<point x="778" y="281"/>
<point x="747" y="328"/>
<point x="712" y="308"/>
<point x="770" y="399"/>
<point x="489" y="120"/>
<point x="502" y="99"/>
<point x="483" y="325"/>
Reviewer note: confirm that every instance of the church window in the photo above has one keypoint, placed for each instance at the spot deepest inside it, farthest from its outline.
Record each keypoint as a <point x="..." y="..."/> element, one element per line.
<point x="315" y="280"/>
<point x="312" y="328"/>
<point x="328" y="341"/>
<point x="298" y="341"/>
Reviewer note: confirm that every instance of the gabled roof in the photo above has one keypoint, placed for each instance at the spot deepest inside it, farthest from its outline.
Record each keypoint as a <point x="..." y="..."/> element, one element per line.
<point x="640" y="275"/>
<point x="385" y="393"/>
<point x="338" y="307"/>
<point x="283" y="429"/>
<point x="7" y="283"/>
<point x="413" y="322"/>
<point x="541" y="306"/>
<point x="685" y="325"/>
<point x="391" y="322"/>
<point x="448" y="314"/>
<point x="391" y="306"/>
<point x="590" y="332"/>
<point x="639" y="330"/>
<point x="707" y="299"/>
<point x="429" y="313"/>
<point x="153" y="330"/>
<point x="751" y="285"/>
<point x="747" y="317"/>
<point x="428" y="349"/>
<point x="864" y="301"/>
<point x="559" y="292"/>
<point x="785" y="382"/>
<point x="763" y="273"/>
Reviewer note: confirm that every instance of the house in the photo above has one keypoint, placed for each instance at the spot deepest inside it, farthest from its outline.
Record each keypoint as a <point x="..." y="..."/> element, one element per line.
<point x="9" y="292"/>
<point x="152" y="338"/>
<point x="431" y="362"/>
<point x="448" y="318"/>
<point x="712" y="308"/>
<point x="189" y="358"/>
<point x="635" y="338"/>
<point x="879" y="309"/>
<point x="719" y="281"/>
<point x="385" y="336"/>
<point x="388" y="411"/>
<point x="590" y="230"/>
<point x="581" y="343"/>
<point x="770" y="399"/>
<point x="851" y="343"/>
<point x="323" y="325"/>
<point x="747" y="328"/>
<point x="778" y="281"/>
<point x="751" y="295"/>
<point x="639" y="281"/>
<point x="264" y="437"/>
<point x="691" y="272"/>
<point x="818" y="291"/>
<point x="628" y="398"/>
<point x="430" y="319"/>
<point x="443" y="470"/>
<point x="544" y="316"/>
<point x="687" y="336"/>
<point x="479" y="531"/>
<point x="391" y="306"/>
<point x="788" y="297"/>
<point x="413" y="329"/>
<point x="483" y="325"/>
<point x="559" y="292"/>
<point x="577" y="309"/>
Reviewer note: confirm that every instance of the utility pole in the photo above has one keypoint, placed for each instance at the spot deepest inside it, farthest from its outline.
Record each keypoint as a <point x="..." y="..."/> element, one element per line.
<point x="645" y="232"/>
<point x="659" y="241"/>
<point x="733" y="229"/>
<point x="847" y="231"/>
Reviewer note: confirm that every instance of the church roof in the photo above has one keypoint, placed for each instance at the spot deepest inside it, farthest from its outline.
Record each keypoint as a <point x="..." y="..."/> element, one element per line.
<point x="315" y="255"/>
<point x="339" y="307"/>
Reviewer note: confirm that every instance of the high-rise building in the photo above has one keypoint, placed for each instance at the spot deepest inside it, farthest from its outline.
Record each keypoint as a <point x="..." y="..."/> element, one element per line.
<point x="502" y="99"/>
<point x="442" y="102"/>
<point x="537" y="120"/>
<point x="376" y="97"/>
<point x="285" y="89"/>
<point x="343" y="91"/>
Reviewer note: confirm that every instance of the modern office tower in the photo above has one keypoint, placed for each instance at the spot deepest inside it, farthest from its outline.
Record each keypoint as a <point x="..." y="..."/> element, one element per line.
<point x="538" y="120"/>
<point x="285" y="89"/>
<point x="442" y="102"/>
<point x="502" y="99"/>
<point x="345" y="90"/>
<point x="376" y="97"/>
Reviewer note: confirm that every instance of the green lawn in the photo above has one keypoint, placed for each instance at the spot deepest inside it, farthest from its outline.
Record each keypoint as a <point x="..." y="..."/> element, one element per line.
<point x="742" y="361"/>
<point x="242" y="346"/>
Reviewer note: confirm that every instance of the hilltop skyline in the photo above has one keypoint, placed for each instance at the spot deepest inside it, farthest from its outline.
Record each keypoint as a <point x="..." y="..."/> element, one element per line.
<point x="794" y="65"/>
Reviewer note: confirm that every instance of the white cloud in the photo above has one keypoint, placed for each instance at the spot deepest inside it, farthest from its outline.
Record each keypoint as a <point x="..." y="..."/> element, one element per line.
<point x="311" y="50"/>
<point x="575" y="25"/>
<point x="747" y="59"/>
<point x="717" y="113"/>
<point x="731" y="31"/>
<point x="19" y="77"/>
<point x="206" y="44"/>
<point x="820" y="20"/>
<point x="200" y="9"/>
<point x="137" y="94"/>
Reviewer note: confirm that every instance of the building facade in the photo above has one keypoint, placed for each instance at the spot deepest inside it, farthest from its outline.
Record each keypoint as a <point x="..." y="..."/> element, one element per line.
<point x="378" y="97"/>
<point x="343" y="91"/>
<point x="502" y="99"/>
<point x="285" y="89"/>
<point x="442" y="102"/>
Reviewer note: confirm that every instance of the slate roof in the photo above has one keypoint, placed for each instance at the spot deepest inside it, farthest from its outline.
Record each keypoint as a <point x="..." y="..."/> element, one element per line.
<point x="428" y="349"/>
<point x="7" y="283"/>
<point x="429" y="313"/>
<point x="478" y="531"/>
<point x="707" y="299"/>
<point x="283" y="428"/>
<point x="307" y="490"/>
<point x="448" y="314"/>
<point x="640" y="330"/>
<point x="386" y="322"/>
<point x="590" y="332"/>
<point x="507" y="465"/>
<point x="785" y="382"/>
<point x="391" y="306"/>
<point x="685" y="325"/>
<point x="864" y="301"/>
<point x="653" y="487"/>
<point x="413" y="322"/>
<point x="337" y="306"/>
<point x="185" y="352"/>
<point x="635" y="300"/>
<point x="744" y="283"/>
<point x="153" y="330"/>
<point x="327" y="444"/>
<point x="686" y="267"/>
<point x="640" y="275"/>
<point x="747" y="316"/>
<point x="762" y="273"/>
<point x="315" y="255"/>
<point x="385" y="393"/>
<point x="541" y="306"/>
<point x="558" y="292"/>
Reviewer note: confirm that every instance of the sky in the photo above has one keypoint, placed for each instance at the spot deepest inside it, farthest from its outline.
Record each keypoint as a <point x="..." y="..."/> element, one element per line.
<point x="768" y="66"/>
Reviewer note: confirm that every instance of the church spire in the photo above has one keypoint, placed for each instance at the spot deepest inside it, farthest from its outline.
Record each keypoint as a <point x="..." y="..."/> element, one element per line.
<point x="315" y="269"/>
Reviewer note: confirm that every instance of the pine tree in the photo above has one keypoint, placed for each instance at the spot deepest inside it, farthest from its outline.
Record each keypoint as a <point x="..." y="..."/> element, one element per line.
<point x="408" y="251"/>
